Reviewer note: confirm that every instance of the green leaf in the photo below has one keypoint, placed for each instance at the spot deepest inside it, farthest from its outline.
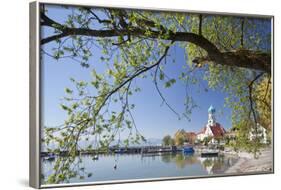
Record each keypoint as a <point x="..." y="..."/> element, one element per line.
<point x="161" y="75"/>
<point x="170" y="83"/>
<point x="68" y="91"/>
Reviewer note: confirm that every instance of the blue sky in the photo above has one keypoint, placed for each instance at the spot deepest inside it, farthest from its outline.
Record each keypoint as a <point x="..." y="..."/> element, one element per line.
<point x="152" y="119"/>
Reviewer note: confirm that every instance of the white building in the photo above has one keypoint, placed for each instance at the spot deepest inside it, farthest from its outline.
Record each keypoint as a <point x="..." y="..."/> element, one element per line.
<point x="260" y="133"/>
<point x="212" y="128"/>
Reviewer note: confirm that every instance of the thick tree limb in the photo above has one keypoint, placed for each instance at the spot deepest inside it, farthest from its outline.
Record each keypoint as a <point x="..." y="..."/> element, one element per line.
<point x="212" y="50"/>
<point x="242" y="58"/>
<point x="245" y="59"/>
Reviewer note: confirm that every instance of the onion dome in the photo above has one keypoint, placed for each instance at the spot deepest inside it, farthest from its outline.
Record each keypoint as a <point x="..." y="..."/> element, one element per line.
<point x="211" y="109"/>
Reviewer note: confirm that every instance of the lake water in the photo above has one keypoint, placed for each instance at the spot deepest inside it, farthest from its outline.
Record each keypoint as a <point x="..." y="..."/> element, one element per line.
<point x="137" y="166"/>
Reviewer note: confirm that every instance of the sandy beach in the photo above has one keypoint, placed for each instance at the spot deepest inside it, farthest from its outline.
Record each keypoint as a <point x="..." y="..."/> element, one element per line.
<point x="247" y="162"/>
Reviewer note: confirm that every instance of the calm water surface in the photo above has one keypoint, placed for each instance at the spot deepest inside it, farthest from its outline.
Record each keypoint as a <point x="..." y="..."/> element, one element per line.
<point x="137" y="166"/>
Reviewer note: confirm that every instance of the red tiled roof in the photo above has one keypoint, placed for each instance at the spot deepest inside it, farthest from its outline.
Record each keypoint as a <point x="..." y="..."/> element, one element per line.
<point x="217" y="130"/>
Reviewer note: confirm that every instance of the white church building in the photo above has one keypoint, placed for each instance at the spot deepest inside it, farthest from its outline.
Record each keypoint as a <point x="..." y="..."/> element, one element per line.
<point x="212" y="129"/>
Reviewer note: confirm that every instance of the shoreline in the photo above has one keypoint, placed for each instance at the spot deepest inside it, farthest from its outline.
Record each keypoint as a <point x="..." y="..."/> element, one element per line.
<point x="247" y="163"/>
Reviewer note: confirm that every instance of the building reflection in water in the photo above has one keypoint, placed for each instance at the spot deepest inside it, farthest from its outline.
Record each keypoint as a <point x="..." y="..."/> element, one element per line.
<point x="212" y="165"/>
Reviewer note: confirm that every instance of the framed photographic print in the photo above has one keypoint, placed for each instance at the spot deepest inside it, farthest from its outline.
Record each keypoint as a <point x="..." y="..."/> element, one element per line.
<point x="128" y="94"/>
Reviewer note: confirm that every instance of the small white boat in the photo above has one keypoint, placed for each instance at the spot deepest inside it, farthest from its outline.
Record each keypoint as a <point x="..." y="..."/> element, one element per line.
<point x="96" y="157"/>
<point x="209" y="153"/>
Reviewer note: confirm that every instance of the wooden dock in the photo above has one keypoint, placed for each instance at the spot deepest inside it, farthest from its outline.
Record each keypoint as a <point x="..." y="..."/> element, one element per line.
<point x="122" y="150"/>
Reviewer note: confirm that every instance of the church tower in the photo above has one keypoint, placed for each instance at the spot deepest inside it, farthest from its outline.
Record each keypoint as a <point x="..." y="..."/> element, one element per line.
<point x="212" y="129"/>
<point x="211" y="116"/>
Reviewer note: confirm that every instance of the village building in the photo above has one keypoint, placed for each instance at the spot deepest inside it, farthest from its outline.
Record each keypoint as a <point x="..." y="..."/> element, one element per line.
<point x="182" y="137"/>
<point x="213" y="129"/>
<point x="259" y="133"/>
<point x="190" y="137"/>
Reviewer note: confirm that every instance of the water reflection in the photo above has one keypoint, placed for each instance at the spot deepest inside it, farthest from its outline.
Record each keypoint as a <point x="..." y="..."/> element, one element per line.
<point x="213" y="165"/>
<point x="137" y="166"/>
<point x="181" y="160"/>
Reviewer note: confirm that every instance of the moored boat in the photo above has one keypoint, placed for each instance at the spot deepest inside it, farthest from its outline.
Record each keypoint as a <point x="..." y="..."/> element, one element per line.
<point x="120" y="151"/>
<point x="95" y="157"/>
<point x="187" y="150"/>
<point x="209" y="153"/>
